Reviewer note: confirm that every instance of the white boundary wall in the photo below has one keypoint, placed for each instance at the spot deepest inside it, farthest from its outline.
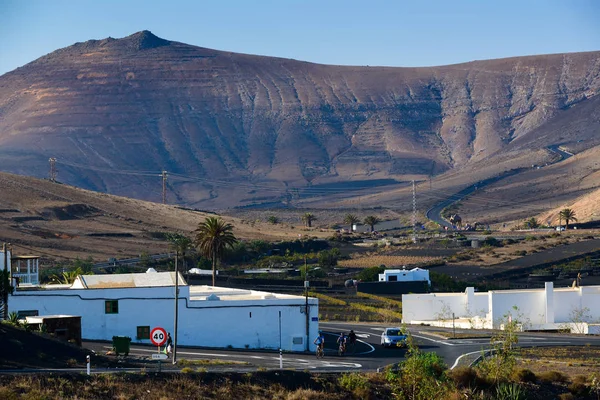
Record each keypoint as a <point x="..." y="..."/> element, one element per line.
<point x="540" y="309"/>
<point x="239" y="323"/>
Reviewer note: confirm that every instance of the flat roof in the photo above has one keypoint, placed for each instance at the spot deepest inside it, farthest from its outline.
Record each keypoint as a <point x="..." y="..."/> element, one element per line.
<point x="203" y="292"/>
<point x="143" y="279"/>
<point x="40" y="318"/>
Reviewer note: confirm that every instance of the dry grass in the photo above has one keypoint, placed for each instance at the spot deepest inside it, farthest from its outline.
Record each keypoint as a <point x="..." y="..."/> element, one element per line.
<point x="571" y="360"/>
<point x="33" y="216"/>
<point x="496" y="255"/>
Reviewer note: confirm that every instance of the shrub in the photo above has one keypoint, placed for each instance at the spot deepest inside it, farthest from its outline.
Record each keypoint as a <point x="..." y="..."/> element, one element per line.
<point x="524" y="375"/>
<point x="465" y="377"/>
<point x="552" y="376"/>
<point x="510" y="391"/>
<point x="356" y="383"/>
<point x="187" y="370"/>
<point x="566" y="396"/>
<point x="579" y="389"/>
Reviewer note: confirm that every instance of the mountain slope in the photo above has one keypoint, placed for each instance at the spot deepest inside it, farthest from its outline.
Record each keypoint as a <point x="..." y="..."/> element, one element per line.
<point x="61" y="222"/>
<point x="235" y="129"/>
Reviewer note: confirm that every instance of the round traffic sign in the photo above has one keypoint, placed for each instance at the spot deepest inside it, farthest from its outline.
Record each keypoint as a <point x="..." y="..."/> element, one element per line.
<point x="158" y="336"/>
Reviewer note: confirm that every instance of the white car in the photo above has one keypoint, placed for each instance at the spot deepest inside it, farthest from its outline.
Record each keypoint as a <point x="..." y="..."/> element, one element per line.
<point x="393" y="337"/>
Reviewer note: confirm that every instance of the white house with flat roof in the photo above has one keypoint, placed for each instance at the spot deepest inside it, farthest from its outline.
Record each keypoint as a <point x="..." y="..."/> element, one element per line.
<point x="404" y="275"/>
<point x="133" y="304"/>
<point x="569" y="308"/>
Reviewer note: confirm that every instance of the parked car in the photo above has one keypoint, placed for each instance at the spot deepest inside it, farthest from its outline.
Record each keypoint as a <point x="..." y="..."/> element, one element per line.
<point x="393" y="337"/>
<point x="560" y="228"/>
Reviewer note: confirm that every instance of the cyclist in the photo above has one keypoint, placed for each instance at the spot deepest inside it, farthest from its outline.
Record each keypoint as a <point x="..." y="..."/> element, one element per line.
<point x="341" y="341"/>
<point x="352" y="339"/>
<point x="320" y="342"/>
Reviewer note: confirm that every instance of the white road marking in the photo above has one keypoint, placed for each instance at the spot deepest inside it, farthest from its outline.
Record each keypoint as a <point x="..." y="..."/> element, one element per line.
<point x="433" y="340"/>
<point x="462" y="355"/>
<point x="363" y="335"/>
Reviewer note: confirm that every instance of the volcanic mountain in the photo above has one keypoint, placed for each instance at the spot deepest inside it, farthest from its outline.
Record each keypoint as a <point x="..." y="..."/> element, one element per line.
<point x="235" y="129"/>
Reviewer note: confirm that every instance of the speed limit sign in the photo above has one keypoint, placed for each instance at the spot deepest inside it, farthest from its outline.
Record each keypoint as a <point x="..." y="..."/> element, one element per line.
<point x="158" y="336"/>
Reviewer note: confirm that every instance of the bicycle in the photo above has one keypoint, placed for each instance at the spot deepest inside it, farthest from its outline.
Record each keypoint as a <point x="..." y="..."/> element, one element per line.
<point x="351" y="347"/>
<point x="341" y="349"/>
<point x="320" y="353"/>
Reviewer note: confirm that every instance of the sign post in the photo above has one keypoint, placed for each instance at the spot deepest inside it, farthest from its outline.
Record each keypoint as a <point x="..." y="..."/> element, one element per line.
<point x="158" y="337"/>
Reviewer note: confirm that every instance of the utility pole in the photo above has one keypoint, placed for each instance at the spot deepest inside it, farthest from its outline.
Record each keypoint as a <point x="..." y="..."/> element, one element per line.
<point x="414" y="215"/>
<point x="176" y="308"/>
<point x="559" y="222"/>
<point x="53" y="171"/>
<point x="306" y="283"/>
<point x="164" y="187"/>
<point x="9" y="271"/>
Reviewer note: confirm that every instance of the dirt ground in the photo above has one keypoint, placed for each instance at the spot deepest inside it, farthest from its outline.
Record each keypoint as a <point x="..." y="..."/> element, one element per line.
<point x="60" y="222"/>
<point x="571" y="360"/>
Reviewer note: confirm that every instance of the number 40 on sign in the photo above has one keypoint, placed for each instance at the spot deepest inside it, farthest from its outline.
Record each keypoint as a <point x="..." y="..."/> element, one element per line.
<point x="158" y="336"/>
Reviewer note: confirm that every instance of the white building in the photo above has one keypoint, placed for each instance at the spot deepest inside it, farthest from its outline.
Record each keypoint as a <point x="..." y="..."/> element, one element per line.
<point x="133" y="304"/>
<point x="404" y="275"/>
<point x="571" y="308"/>
<point x="24" y="269"/>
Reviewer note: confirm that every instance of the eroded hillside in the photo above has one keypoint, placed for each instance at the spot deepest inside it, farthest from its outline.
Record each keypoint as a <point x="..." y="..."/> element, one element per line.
<point x="235" y="129"/>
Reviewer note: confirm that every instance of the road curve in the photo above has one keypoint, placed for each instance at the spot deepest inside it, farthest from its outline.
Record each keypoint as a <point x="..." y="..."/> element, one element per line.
<point x="435" y="213"/>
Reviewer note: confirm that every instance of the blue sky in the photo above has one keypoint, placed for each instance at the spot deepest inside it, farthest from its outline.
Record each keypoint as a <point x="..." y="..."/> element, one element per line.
<point x="394" y="33"/>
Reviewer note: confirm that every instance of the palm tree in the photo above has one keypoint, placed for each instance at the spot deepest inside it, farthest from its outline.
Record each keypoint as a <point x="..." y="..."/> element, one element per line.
<point x="371" y="220"/>
<point x="5" y="289"/>
<point x="568" y="215"/>
<point x="308" y="218"/>
<point x="213" y="236"/>
<point x="181" y="244"/>
<point x="532" y="223"/>
<point x="351" y="220"/>
<point x="66" y="277"/>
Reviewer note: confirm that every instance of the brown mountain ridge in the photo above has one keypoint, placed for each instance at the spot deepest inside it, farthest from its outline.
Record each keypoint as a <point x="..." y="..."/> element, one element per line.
<point x="236" y="129"/>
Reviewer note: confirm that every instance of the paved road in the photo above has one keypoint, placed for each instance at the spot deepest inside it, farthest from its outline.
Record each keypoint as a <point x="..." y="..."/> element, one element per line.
<point x="434" y="213"/>
<point x="368" y="355"/>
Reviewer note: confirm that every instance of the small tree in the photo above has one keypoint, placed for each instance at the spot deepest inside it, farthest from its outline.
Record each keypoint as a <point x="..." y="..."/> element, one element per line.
<point x="421" y="376"/>
<point x="351" y="219"/>
<point x="568" y="215"/>
<point x="308" y="219"/>
<point x="329" y="258"/>
<point x="500" y="364"/>
<point x="371" y="220"/>
<point x="273" y="220"/>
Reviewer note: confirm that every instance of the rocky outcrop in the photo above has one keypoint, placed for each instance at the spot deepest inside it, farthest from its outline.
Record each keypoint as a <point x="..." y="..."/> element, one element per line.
<point x="227" y="127"/>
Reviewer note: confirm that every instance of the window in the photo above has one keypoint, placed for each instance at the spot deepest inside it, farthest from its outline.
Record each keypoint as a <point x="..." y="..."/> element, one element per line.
<point x="393" y="278"/>
<point x="27" y="313"/>
<point x="143" y="332"/>
<point x="111" y="307"/>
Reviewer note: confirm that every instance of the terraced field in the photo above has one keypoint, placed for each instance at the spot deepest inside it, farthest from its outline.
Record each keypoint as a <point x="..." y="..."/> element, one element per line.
<point x="359" y="307"/>
<point x="389" y="261"/>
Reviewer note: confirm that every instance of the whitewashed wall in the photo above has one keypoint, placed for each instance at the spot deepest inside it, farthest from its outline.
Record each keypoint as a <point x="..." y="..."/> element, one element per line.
<point x="222" y="323"/>
<point x="547" y="308"/>
<point x="530" y="306"/>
